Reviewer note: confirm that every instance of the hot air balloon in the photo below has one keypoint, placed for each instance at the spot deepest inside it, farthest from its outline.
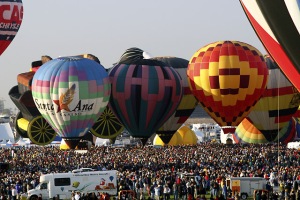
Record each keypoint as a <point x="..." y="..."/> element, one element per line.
<point x="246" y="132"/>
<point x="227" y="78"/>
<point x="188" y="136"/>
<point x="187" y="104"/>
<point x="175" y="140"/>
<point x="71" y="93"/>
<point x="11" y="16"/>
<point x="29" y="123"/>
<point x="277" y="105"/>
<point x="296" y="117"/>
<point x="145" y="93"/>
<point x="276" y="23"/>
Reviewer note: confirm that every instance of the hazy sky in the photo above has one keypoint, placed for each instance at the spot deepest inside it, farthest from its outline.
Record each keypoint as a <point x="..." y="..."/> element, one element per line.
<point x="107" y="28"/>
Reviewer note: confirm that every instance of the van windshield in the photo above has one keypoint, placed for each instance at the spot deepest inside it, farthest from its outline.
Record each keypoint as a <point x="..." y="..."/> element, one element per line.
<point x="41" y="186"/>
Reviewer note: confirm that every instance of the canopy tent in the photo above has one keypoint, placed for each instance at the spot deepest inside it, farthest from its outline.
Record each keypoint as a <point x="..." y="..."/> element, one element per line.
<point x="6" y="133"/>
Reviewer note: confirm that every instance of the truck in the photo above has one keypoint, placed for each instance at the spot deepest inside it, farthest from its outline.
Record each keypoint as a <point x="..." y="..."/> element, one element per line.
<point x="245" y="186"/>
<point x="62" y="185"/>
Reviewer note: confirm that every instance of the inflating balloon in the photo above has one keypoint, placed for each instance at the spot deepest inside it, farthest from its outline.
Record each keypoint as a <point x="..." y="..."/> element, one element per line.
<point x="246" y="132"/>
<point x="11" y="16"/>
<point x="277" y="25"/>
<point x="145" y="93"/>
<point x="187" y="104"/>
<point x="71" y="93"/>
<point x="227" y="78"/>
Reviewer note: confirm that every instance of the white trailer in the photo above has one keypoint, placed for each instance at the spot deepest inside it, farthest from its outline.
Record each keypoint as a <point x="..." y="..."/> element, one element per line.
<point x="63" y="184"/>
<point x="245" y="186"/>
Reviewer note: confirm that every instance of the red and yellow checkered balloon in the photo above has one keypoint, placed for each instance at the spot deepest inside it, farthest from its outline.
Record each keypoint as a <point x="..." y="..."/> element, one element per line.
<point x="227" y="78"/>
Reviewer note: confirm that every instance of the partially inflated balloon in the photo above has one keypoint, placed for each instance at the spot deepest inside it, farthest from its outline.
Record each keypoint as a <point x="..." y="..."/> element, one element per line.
<point x="227" y="78"/>
<point x="145" y="93"/>
<point x="187" y="104"/>
<point x="276" y="23"/>
<point x="246" y="132"/>
<point x="11" y="16"/>
<point x="71" y="93"/>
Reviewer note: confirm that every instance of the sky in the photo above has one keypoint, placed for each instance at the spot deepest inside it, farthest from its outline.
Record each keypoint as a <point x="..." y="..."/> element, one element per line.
<point x="107" y="28"/>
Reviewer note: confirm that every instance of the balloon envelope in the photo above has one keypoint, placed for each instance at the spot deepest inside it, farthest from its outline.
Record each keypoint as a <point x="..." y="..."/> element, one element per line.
<point x="71" y="93"/>
<point x="145" y="93"/>
<point x="187" y="104"/>
<point x="11" y="16"/>
<point x="246" y="132"/>
<point x="227" y="78"/>
<point x="276" y="23"/>
<point x="277" y="105"/>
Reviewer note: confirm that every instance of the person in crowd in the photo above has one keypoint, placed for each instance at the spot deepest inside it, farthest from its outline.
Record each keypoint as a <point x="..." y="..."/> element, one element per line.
<point x="209" y="163"/>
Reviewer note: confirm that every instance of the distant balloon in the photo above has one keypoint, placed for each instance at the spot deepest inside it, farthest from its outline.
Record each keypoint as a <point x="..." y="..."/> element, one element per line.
<point x="145" y="93"/>
<point x="11" y="16"/>
<point x="277" y="25"/>
<point x="71" y="93"/>
<point x="277" y="105"/>
<point x="227" y="78"/>
<point x="187" y="104"/>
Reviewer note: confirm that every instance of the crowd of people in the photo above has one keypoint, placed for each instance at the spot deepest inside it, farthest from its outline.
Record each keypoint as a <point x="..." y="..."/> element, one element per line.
<point x="185" y="172"/>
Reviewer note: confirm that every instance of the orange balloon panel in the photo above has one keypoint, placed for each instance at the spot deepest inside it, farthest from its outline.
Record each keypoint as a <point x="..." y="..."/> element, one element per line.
<point x="227" y="78"/>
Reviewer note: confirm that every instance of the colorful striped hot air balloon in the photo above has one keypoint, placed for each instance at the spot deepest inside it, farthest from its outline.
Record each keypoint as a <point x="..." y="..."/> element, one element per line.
<point x="227" y="78"/>
<point x="277" y="105"/>
<point x="71" y="93"/>
<point x="187" y="104"/>
<point x="145" y="93"/>
<point x="246" y="132"/>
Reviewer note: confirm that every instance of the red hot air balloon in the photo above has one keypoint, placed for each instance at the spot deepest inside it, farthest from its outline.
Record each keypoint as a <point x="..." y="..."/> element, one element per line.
<point x="11" y="16"/>
<point x="227" y="78"/>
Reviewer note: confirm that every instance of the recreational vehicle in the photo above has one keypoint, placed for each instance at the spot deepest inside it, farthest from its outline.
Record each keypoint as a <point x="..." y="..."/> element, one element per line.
<point x="62" y="185"/>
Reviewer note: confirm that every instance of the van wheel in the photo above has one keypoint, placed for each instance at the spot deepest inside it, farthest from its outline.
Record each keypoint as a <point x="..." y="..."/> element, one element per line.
<point x="244" y="196"/>
<point x="34" y="197"/>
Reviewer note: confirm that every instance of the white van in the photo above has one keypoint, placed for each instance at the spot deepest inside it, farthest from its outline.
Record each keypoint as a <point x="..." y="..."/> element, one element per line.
<point x="245" y="186"/>
<point x="63" y="184"/>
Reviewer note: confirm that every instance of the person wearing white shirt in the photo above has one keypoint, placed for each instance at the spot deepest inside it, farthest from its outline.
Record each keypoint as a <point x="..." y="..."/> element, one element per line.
<point x="14" y="193"/>
<point x="77" y="196"/>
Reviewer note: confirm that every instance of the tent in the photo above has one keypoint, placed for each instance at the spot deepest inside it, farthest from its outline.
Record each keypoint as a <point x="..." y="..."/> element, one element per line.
<point x="102" y="142"/>
<point x="199" y="135"/>
<point x="6" y="133"/>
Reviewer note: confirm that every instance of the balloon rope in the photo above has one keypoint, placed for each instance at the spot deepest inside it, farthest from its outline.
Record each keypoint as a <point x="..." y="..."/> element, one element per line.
<point x="278" y="107"/>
